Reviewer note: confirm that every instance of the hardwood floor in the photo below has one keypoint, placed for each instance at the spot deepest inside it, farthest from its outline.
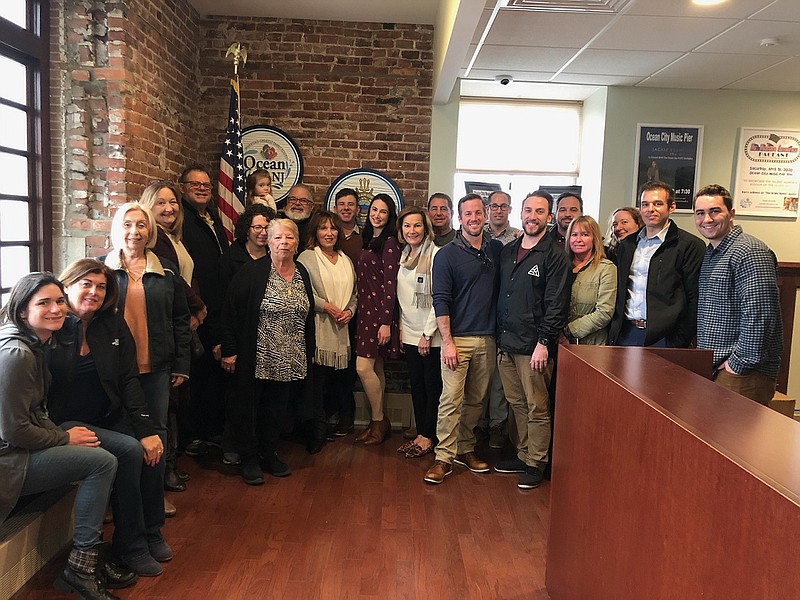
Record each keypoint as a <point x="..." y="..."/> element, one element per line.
<point x="351" y="522"/>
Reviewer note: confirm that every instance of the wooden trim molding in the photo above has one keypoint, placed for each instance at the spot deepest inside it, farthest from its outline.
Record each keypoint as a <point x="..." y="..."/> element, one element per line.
<point x="788" y="284"/>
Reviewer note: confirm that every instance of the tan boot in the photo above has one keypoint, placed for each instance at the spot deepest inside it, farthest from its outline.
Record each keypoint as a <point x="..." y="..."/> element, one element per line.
<point x="169" y="509"/>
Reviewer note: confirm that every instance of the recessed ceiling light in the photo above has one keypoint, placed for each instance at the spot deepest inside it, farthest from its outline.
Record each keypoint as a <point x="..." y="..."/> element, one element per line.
<point x="707" y="2"/>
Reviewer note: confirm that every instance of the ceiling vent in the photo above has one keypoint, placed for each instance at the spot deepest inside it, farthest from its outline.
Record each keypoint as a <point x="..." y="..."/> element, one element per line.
<point x="612" y="7"/>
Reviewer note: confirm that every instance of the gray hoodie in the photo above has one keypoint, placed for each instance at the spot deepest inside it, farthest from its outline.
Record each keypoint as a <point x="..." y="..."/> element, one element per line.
<point x="24" y="424"/>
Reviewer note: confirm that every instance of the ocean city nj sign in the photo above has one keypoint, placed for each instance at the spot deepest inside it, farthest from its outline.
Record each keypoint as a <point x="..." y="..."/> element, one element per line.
<point x="269" y="148"/>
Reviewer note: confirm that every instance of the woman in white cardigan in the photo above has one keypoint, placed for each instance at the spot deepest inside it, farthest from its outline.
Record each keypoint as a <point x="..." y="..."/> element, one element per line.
<point x="421" y="339"/>
<point x="333" y="280"/>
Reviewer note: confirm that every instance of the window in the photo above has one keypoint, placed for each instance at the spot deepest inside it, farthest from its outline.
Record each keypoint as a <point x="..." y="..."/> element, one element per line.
<point x="25" y="208"/>
<point x="520" y="145"/>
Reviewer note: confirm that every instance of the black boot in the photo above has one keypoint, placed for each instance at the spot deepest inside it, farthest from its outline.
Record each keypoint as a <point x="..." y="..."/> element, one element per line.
<point x="86" y="585"/>
<point x="172" y="479"/>
<point x="113" y="575"/>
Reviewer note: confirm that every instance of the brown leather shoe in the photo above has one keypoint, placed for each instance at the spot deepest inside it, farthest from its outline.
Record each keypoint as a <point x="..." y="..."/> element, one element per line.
<point x="472" y="462"/>
<point x="380" y="431"/>
<point x="437" y="473"/>
<point x="169" y="509"/>
<point x="362" y="437"/>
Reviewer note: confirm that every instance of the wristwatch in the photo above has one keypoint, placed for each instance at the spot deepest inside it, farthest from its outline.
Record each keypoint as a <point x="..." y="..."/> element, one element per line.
<point x="427" y="337"/>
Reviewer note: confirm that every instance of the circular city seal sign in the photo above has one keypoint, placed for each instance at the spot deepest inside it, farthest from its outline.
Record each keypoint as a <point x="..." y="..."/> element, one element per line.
<point x="267" y="147"/>
<point x="368" y="183"/>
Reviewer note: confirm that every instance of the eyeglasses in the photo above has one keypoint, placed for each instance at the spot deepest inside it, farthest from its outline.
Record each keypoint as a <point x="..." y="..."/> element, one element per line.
<point x="297" y="200"/>
<point x="198" y="185"/>
<point x="259" y="228"/>
<point x="494" y="206"/>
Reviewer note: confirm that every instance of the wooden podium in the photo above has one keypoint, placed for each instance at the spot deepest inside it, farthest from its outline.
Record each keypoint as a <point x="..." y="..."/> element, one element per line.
<point x="665" y="485"/>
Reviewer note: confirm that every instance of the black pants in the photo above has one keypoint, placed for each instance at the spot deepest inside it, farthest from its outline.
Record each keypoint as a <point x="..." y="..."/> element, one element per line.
<point x="205" y="417"/>
<point x="257" y="416"/>
<point x="425" y="373"/>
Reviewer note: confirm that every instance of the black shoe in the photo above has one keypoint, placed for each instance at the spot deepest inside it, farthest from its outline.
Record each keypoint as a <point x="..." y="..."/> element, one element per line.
<point x="252" y="474"/>
<point x="315" y="445"/>
<point x="182" y="474"/>
<point x="497" y="438"/>
<point x="86" y="585"/>
<point x="531" y="478"/>
<point x="481" y="435"/>
<point x="196" y="448"/>
<point x="115" y="576"/>
<point x="344" y="427"/>
<point x="275" y="466"/>
<point x="512" y="465"/>
<point x="173" y="481"/>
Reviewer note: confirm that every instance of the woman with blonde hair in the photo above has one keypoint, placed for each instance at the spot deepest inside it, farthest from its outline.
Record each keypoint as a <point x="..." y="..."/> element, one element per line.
<point x="153" y="304"/>
<point x="594" y="290"/>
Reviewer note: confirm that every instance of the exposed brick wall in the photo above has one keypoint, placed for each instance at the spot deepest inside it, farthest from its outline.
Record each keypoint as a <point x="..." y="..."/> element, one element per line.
<point x="351" y="94"/>
<point x="126" y="110"/>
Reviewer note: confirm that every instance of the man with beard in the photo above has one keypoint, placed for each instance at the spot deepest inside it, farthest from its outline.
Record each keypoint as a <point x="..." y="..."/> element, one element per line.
<point x="464" y="300"/>
<point x="568" y="207"/>
<point x="532" y="309"/>
<point x="299" y="207"/>
<point x="205" y="241"/>
<point x="440" y="211"/>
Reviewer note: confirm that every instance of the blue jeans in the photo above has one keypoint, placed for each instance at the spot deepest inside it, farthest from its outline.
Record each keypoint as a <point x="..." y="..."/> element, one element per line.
<point x="137" y="498"/>
<point x="94" y="468"/>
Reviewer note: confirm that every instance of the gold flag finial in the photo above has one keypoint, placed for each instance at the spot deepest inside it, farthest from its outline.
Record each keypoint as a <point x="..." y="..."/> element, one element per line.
<point x="239" y="54"/>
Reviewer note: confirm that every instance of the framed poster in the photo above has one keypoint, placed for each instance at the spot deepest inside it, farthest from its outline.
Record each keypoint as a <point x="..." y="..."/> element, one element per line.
<point x="482" y="189"/>
<point x="669" y="153"/>
<point x="767" y="180"/>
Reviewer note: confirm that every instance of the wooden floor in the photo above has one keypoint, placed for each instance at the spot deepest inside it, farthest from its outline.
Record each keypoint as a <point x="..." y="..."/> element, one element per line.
<point x="350" y="522"/>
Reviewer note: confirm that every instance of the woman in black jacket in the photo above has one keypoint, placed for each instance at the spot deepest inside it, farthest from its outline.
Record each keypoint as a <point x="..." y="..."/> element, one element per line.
<point x="96" y="384"/>
<point x="268" y="342"/>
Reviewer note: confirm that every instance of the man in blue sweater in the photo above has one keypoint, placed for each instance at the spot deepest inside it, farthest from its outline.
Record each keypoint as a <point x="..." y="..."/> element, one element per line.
<point x="465" y="282"/>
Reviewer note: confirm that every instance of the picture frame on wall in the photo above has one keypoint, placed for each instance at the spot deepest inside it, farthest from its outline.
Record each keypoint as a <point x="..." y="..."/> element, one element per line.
<point x="482" y="189"/>
<point x="669" y="153"/>
<point x="767" y="180"/>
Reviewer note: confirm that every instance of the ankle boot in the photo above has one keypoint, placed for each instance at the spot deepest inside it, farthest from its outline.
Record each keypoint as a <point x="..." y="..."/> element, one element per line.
<point x="362" y="437"/>
<point x="172" y="480"/>
<point x="380" y="431"/>
<point x="86" y="585"/>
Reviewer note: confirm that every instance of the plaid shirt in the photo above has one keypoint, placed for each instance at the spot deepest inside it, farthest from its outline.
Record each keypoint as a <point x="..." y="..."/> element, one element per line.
<point x="738" y="315"/>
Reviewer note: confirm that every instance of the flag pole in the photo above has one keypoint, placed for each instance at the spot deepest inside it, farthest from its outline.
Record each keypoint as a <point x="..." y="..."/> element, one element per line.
<point x="231" y="187"/>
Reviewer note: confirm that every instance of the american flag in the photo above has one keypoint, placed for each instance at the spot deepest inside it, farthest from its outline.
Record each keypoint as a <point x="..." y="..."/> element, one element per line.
<point x="230" y="190"/>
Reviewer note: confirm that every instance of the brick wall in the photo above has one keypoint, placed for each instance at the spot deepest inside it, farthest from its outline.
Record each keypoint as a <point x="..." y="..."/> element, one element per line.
<point x="125" y="111"/>
<point x="351" y="94"/>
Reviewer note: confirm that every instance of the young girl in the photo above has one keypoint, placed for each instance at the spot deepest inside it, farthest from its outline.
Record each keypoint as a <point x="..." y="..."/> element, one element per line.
<point x="259" y="189"/>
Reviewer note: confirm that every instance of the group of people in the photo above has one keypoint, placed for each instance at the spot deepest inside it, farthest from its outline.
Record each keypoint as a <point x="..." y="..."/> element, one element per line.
<point x="270" y="333"/>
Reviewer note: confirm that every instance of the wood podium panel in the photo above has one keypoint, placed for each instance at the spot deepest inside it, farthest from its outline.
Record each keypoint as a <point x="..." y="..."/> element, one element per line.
<point x="666" y="486"/>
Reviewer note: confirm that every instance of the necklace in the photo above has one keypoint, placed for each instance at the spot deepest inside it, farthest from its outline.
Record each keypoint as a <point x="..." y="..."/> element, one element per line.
<point x="132" y="272"/>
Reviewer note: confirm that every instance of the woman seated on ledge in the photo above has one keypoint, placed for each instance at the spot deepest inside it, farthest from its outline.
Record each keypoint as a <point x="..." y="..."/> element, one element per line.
<point x="35" y="455"/>
<point x="96" y="384"/>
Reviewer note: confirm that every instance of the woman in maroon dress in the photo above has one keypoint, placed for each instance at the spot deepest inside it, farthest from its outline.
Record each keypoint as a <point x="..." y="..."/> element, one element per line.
<point x="377" y="330"/>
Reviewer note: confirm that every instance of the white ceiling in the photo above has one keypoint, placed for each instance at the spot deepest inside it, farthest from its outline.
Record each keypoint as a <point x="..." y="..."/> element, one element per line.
<point x="653" y="43"/>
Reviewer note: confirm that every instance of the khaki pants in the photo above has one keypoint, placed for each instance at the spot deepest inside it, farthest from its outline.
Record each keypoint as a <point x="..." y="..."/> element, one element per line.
<point x="754" y="385"/>
<point x="526" y="392"/>
<point x="463" y="391"/>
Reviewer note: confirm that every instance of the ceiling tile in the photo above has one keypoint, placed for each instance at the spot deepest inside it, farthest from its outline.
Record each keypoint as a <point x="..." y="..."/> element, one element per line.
<point x="664" y="34"/>
<point x="560" y="30"/>
<point x="782" y="10"/>
<point x="502" y="58"/>
<point x="588" y="79"/>
<point x="489" y="75"/>
<point x="619" y="62"/>
<point x="745" y="38"/>
<point x="740" y="9"/>
<point x="788" y="71"/>
<point x="704" y="83"/>
<point x="718" y="66"/>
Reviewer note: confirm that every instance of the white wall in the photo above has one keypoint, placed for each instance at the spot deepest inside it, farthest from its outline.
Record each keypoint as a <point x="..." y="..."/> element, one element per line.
<point x="609" y="138"/>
